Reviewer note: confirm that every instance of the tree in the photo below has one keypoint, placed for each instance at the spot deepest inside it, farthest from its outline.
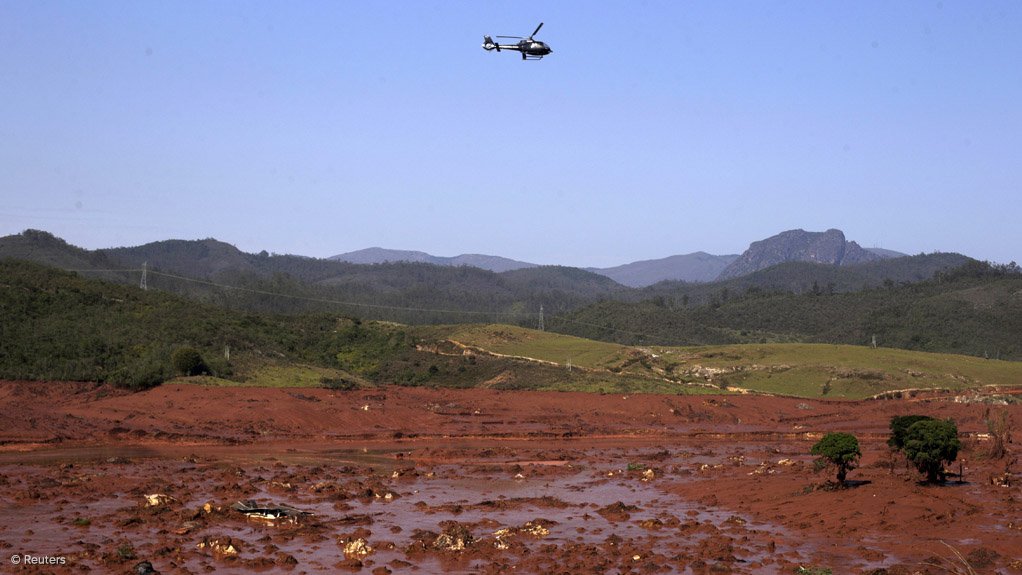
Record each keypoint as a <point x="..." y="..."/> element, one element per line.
<point x="931" y="443"/>
<point x="840" y="450"/>
<point x="899" y="427"/>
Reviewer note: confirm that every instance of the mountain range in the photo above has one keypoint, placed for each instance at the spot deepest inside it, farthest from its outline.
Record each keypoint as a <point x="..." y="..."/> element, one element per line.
<point x="931" y="302"/>
<point x="380" y="255"/>
<point x="209" y="257"/>
<point x="934" y="302"/>
<point x="829" y="247"/>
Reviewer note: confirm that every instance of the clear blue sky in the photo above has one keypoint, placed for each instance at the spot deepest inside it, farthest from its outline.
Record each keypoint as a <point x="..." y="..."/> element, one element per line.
<point x="655" y="128"/>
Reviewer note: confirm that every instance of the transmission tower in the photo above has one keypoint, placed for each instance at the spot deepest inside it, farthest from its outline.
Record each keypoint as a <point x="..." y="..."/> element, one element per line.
<point x="142" y="283"/>
<point x="541" y="328"/>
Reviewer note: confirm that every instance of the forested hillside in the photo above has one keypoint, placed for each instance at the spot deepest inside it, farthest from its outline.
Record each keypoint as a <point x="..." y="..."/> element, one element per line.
<point x="932" y="302"/>
<point x="58" y="325"/>
<point x="218" y="273"/>
<point x="973" y="310"/>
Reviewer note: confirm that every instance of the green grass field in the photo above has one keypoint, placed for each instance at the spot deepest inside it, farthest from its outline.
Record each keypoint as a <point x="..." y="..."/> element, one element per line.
<point x="801" y="370"/>
<point x="541" y="345"/>
<point x="550" y="361"/>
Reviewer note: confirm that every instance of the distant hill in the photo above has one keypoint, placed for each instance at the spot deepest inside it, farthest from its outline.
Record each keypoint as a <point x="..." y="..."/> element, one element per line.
<point x="974" y="309"/>
<point x="695" y="267"/>
<point x="381" y="255"/>
<point x="59" y="325"/>
<point x="932" y="302"/>
<point x="194" y="258"/>
<point x="216" y="272"/>
<point x="886" y="253"/>
<point x="47" y="249"/>
<point x="699" y="267"/>
<point x="829" y="247"/>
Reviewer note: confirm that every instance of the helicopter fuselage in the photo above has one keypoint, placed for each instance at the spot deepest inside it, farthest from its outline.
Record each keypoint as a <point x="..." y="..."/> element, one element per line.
<point x="528" y="48"/>
<point x="531" y="49"/>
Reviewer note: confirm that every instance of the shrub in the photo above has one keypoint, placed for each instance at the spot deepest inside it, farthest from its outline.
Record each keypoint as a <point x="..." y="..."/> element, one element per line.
<point x="840" y="450"/>
<point x="931" y="443"/>
<point x="188" y="361"/>
<point x="899" y="427"/>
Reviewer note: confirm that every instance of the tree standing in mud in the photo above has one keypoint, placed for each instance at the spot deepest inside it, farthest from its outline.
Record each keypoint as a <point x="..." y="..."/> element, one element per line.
<point x="840" y="450"/>
<point x="899" y="429"/>
<point x="929" y="444"/>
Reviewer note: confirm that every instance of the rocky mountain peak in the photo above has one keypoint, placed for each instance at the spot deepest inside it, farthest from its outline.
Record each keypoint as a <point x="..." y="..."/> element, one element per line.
<point x="829" y="247"/>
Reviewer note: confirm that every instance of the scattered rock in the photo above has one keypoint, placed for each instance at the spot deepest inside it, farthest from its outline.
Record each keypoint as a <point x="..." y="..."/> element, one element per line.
<point x="220" y="547"/>
<point x="157" y="500"/>
<point x="455" y="537"/>
<point x="357" y="548"/>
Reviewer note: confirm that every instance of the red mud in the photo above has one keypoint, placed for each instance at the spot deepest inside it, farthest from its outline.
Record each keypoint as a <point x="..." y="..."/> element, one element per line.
<point x="481" y="481"/>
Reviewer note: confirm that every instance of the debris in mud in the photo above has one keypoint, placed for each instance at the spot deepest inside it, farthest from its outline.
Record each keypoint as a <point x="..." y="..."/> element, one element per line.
<point x="271" y="514"/>
<point x="356" y="548"/>
<point x="186" y="527"/>
<point x="454" y="537"/>
<point x="158" y="500"/>
<point x="220" y="547"/>
<point x="537" y="528"/>
<point x="1002" y="480"/>
<point x="617" y="511"/>
<point x="144" y="568"/>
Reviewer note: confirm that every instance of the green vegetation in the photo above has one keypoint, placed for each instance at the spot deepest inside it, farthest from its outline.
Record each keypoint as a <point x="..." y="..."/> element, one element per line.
<point x="899" y="429"/>
<point x="58" y="325"/>
<point x="545" y="346"/>
<point x="61" y="326"/>
<point x="188" y="361"/>
<point x="945" y="303"/>
<point x="840" y="450"/>
<point x="969" y="311"/>
<point x="929" y="444"/>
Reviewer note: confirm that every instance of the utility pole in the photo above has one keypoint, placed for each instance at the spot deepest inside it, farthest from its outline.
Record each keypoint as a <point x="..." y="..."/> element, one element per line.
<point x="142" y="283"/>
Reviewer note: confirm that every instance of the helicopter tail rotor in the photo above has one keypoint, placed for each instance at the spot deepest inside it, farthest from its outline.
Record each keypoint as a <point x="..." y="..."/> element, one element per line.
<point x="489" y="44"/>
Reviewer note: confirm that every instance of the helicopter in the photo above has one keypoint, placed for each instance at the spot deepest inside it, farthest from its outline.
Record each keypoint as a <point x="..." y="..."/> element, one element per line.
<point x="530" y="49"/>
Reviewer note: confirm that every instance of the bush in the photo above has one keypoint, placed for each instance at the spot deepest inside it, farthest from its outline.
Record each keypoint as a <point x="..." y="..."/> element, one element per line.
<point x="840" y="450"/>
<point x="140" y="375"/>
<point x="338" y="383"/>
<point x="931" y="443"/>
<point x="188" y="361"/>
<point x="899" y="427"/>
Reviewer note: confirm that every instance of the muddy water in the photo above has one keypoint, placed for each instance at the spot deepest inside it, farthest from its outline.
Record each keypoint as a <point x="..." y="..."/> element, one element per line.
<point x="568" y="509"/>
<point x="732" y="490"/>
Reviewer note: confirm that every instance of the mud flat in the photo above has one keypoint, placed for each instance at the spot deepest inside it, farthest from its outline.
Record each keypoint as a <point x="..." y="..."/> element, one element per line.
<point x="402" y="480"/>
